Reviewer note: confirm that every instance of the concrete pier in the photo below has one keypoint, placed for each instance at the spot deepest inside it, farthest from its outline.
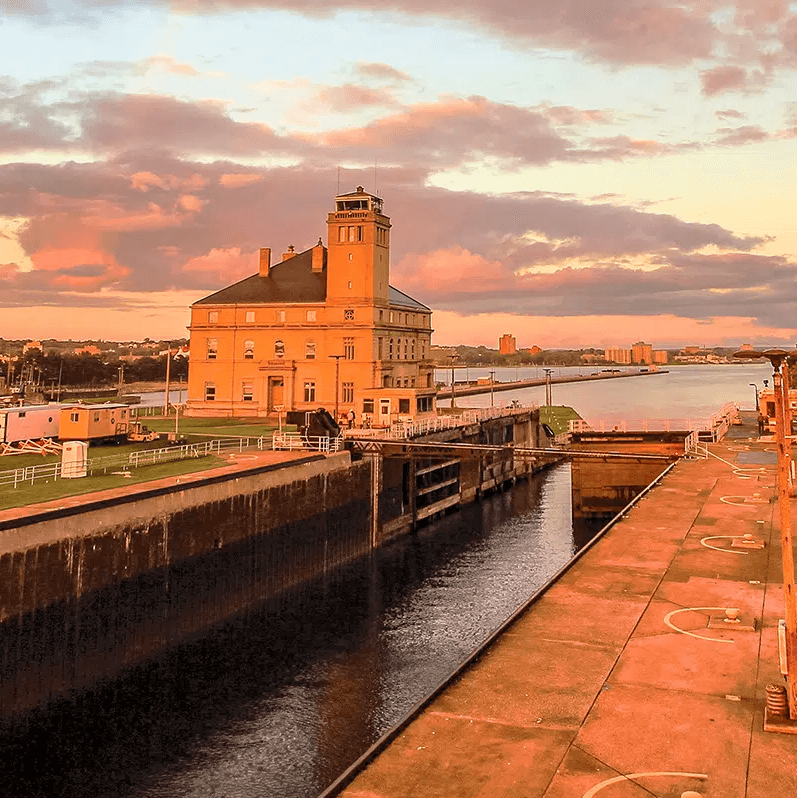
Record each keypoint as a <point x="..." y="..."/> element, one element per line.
<point x="623" y="679"/>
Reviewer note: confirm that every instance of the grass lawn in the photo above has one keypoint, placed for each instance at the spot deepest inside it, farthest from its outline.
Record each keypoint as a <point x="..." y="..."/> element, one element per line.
<point x="44" y="491"/>
<point x="557" y="416"/>
<point x="213" y="426"/>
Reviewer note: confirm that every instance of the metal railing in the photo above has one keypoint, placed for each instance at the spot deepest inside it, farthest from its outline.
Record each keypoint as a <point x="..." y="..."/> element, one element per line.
<point x="294" y="441"/>
<point x="401" y="430"/>
<point x="121" y="463"/>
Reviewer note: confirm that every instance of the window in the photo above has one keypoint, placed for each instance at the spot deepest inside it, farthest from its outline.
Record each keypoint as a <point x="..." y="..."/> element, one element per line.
<point x="310" y="315"/>
<point x="248" y="391"/>
<point x="405" y="349"/>
<point x="309" y="350"/>
<point x="381" y="315"/>
<point x="386" y="381"/>
<point x="391" y="316"/>
<point x="250" y="316"/>
<point x="279" y="348"/>
<point x="424" y="404"/>
<point x="249" y="350"/>
<point x="22" y="414"/>
<point x="280" y="316"/>
<point x="404" y="405"/>
<point x="348" y="314"/>
<point x="96" y="417"/>
<point x="412" y="349"/>
<point x="348" y="348"/>
<point x="341" y="234"/>
<point x="213" y="316"/>
<point x="359" y="232"/>
<point x="124" y="414"/>
<point x="212" y="348"/>
<point x="309" y="392"/>
<point x="352" y="233"/>
<point x="73" y="417"/>
<point x="368" y="405"/>
<point x="348" y="392"/>
<point x="390" y="350"/>
<point x="210" y="391"/>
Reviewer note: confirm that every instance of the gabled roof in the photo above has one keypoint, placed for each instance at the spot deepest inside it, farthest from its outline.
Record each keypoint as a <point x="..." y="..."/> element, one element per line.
<point x="290" y="281"/>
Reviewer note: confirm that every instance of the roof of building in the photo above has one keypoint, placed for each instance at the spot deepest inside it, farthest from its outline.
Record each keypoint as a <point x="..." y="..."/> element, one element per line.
<point x="289" y="282"/>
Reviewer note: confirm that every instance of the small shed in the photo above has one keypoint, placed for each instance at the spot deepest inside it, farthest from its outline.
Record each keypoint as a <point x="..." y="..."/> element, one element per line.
<point x="94" y="422"/>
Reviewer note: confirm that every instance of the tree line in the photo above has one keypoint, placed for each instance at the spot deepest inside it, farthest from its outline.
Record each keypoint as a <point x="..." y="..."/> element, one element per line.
<point x="88" y="370"/>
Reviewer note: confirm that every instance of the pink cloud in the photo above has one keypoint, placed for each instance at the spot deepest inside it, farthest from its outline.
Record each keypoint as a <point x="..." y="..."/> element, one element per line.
<point x="723" y="78"/>
<point x="741" y="135"/>
<point x="453" y="269"/>
<point x="227" y="265"/>
<point x="239" y="179"/>
<point x="351" y="97"/>
<point x="384" y="72"/>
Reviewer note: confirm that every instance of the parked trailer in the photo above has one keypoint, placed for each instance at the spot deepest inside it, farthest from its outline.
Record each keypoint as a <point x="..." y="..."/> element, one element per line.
<point x="29" y="422"/>
<point x="94" y="422"/>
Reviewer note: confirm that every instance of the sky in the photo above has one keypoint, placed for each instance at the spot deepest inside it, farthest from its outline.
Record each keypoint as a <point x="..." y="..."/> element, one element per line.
<point x="588" y="173"/>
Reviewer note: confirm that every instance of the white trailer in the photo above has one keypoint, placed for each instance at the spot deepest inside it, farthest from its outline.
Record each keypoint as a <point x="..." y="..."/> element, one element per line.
<point x="29" y="423"/>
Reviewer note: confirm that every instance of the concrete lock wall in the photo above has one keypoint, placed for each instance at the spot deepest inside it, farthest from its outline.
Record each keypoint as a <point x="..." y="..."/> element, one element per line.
<point x="84" y="595"/>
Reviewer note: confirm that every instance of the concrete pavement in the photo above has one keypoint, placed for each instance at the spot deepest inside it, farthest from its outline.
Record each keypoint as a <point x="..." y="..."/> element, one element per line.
<point x="624" y="680"/>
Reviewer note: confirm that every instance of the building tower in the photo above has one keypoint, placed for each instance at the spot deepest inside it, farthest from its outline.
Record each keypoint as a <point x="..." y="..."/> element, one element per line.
<point x="358" y="260"/>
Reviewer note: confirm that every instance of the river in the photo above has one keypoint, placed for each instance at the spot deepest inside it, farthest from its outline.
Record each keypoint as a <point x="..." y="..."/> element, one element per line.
<point x="280" y="701"/>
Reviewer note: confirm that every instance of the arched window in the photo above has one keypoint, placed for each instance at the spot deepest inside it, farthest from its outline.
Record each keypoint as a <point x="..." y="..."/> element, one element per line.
<point x="309" y="350"/>
<point x="279" y="348"/>
<point x="249" y="350"/>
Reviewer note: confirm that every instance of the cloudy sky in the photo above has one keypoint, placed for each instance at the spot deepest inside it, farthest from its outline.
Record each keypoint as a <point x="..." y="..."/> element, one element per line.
<point x="582" y="173"/>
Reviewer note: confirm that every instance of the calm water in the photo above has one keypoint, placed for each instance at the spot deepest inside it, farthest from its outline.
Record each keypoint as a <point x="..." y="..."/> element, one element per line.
<point x="278" y="704"/>
<point x="684" y="392"/>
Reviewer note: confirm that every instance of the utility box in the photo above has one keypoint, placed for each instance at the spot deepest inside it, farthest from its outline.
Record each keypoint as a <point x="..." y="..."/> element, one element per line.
<point x="73" y="459"/>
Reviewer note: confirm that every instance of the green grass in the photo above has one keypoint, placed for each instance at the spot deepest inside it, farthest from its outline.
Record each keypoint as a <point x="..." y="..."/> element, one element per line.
<point x="44" y="491"/>
<point x="13" y="461"/>
<point x="557" y="416"/>
<point x="213" y="426"/>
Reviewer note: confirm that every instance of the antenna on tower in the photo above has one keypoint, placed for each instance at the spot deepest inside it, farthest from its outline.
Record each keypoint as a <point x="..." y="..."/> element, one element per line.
<point x="338" y="191"/>
<point x="376" y="191"/>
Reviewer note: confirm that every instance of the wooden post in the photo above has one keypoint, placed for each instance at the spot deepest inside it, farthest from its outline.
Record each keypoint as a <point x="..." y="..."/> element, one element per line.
<point x="787" y="553"/>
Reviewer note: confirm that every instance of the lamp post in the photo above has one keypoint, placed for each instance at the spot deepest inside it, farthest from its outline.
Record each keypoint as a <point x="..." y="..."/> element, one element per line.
<point x="778" y="357"/>
<point x="548" y="373"/>
<point x="337" y="383"/>
<point x="492" y="394"/>
<point x="168" y="367"/>
<point x="755" y="385"/>
<point x="454" y="359"/>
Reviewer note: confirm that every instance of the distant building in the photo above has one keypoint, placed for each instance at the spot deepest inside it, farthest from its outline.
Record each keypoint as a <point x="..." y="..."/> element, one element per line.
<point x="615" y="354"/>
<point x="642" y="353"/>
<point x="31" y="345"/>
<point x="507" y="344"/>
<point x="87" y="350"/>
<point x="320" y="328"/>
<point x="660" y="356"/>
<point x="533" y="350"/>
<point x="746" y="348"/>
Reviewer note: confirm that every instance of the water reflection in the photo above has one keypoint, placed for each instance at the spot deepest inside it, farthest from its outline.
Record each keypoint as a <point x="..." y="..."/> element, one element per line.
<point x="281" y="700"/>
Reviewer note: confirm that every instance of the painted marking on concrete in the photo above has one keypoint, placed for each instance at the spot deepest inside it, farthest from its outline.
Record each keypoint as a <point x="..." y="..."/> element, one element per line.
<point x="692" y="634"/>
<point x="746" y="501"/>
<point x="593" y="791"/>
<point x="721" y="537"/>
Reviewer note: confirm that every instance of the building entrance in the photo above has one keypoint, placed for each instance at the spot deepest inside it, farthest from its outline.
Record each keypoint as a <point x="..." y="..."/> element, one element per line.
<point x="384" y="412"/>
<point x="276" y="393"/>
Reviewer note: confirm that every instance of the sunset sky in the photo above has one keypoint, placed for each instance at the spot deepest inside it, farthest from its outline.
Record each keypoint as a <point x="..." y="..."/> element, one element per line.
<point x="583" y="173"/>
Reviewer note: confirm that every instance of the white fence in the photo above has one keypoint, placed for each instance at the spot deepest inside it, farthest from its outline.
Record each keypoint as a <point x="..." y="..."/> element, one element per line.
<point x="402" y="430"/>
<point x="293" y="441"/>
<point x="124" y="462"/>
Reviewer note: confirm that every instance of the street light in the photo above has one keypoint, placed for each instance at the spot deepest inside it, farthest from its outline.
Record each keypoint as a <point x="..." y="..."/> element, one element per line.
<point x="755" y="385"/>
<point x="337" y="382"/>
<point x="492" y="394"/>
<point x="548" y="373"/>
<point x="778" y="358"/>
<point x="453" y="359"/>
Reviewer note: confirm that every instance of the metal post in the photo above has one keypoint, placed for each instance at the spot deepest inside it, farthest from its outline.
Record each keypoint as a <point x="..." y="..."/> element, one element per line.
<point x="784" y="387"/>
<point x="755" y="385"/>
<point x="337" y="383"/>
<point x="168" y="365"/>
<point x="492" y="394"/>
<point x="786" y="540"/>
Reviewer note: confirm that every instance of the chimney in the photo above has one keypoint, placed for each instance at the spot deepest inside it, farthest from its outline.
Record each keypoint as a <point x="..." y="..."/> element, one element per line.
<point x="289" y="254"/>
<point x="265" y="261"/>
<point x="319" y="257"/>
